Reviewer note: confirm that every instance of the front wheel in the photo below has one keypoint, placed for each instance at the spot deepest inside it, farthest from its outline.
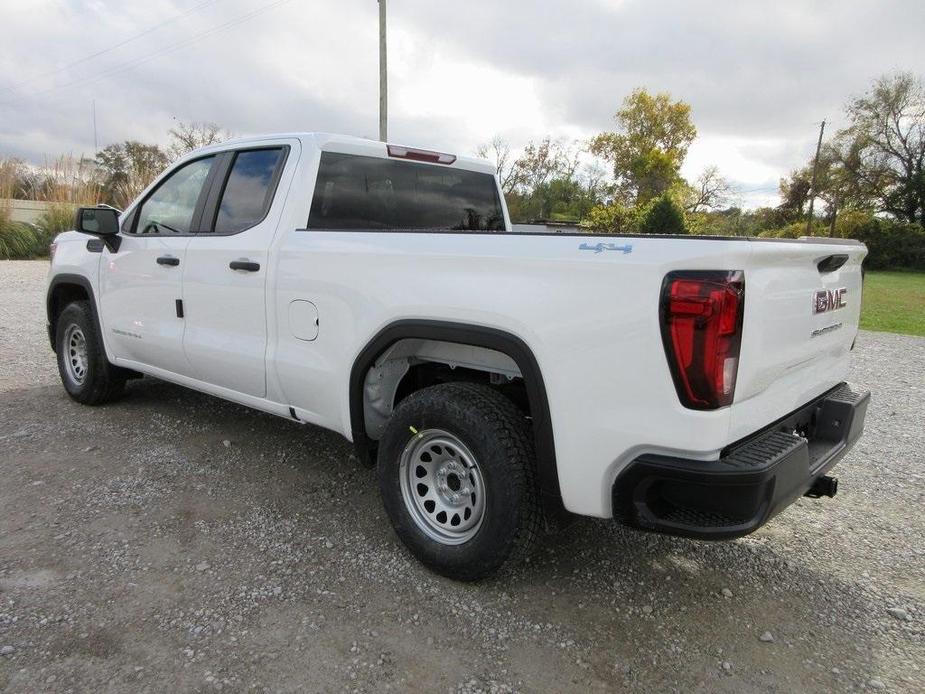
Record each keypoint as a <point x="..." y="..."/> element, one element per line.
<point x="86" y="374"/>
<point x="456" y="475"/>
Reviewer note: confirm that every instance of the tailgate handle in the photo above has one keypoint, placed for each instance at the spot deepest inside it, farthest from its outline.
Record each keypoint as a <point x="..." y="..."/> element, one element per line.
<point x="832" y="262"/>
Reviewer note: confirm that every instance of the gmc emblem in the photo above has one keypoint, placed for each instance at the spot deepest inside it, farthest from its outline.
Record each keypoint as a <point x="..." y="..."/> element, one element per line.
<point x="826" y="300"/>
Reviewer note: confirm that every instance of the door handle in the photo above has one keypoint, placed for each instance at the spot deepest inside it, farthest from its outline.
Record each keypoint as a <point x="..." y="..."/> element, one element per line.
<point x="168" y="260"/>
<point x="246" y="265"/>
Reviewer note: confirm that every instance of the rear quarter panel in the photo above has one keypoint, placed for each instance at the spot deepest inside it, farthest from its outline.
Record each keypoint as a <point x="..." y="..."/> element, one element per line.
<point x="590" y="318"/>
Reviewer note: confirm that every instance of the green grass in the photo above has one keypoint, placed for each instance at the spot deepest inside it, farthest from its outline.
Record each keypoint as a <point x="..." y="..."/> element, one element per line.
<point x="894" y="302"/>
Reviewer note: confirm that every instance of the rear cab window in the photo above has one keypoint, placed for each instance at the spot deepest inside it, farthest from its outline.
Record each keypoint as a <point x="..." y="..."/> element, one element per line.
<point x="372" y="193"/>
<point x="249" y="189"/>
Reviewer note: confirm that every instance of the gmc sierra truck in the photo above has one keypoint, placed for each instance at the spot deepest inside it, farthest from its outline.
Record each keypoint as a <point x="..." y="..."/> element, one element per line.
<point x="685" y="385"/>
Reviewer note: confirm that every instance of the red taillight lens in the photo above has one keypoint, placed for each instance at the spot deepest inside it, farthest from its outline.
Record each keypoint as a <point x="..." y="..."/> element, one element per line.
<point x="701" y="318"/>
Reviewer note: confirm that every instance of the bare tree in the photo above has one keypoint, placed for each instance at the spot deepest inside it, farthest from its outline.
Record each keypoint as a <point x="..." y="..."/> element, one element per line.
<point x="498" y="150"/>
<point x="186" y="137"/>
<point x="710" y="191"/>
<point x="593" y="177"/>
<point x="884" y="145"/>
<point x="537" y="164"/>
<point x="570" y="158"/>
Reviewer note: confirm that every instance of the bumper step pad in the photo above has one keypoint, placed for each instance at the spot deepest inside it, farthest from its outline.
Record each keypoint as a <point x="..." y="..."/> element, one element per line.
<point x="750" y="482"/>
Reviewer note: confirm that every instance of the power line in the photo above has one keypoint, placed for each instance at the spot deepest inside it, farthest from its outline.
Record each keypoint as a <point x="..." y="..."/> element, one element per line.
<point x="763" y="189"/>
<point x="134" y="37"/>
<point x="117" y="69"/>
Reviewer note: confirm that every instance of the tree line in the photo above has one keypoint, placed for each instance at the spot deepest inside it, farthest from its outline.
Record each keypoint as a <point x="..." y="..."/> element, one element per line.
<point x="876" y="163"/>
<point x="869" y="176"/>
<point x="627" y="180"/>
<point x="115" y="175"/>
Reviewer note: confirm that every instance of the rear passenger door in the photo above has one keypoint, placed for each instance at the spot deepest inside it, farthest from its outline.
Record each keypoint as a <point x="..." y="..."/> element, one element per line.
<point x="224" y="282"/>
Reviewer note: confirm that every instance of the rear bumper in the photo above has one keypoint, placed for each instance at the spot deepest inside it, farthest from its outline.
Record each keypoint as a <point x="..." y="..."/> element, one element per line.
<point x="752" y="481"/>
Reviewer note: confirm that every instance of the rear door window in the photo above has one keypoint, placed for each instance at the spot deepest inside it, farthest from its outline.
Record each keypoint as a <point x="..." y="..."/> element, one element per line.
<point x="249" y="189"/>
<point x="356" y="192"/>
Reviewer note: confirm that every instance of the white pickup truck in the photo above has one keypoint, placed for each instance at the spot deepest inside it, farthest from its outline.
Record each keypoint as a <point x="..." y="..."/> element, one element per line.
<point x="687" y="385"/>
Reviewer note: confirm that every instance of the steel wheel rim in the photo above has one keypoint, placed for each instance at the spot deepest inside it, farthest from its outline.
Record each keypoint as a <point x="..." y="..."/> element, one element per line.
<point x="442" y="487"/>
<point x="76" y="362"/>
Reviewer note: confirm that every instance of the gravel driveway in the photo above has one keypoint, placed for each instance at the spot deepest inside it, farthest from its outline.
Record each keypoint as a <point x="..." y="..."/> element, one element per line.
<point x="174" y="541"/>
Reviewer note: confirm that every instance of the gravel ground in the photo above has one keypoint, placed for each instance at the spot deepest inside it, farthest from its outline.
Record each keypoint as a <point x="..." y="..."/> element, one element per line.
<point x="174" y="540"/>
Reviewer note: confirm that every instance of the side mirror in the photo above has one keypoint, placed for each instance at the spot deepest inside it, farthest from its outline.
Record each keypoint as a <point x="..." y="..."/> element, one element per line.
<point x="98" y="221"/>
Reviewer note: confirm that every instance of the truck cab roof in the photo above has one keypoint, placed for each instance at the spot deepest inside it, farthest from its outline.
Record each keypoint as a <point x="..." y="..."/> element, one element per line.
<point x="344" y="144"/>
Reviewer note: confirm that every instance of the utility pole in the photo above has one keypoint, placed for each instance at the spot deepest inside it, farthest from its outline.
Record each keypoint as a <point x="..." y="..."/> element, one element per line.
<point x="96" y="142"/>
<point x="383" y="78"/>
<point x="812" y="186"/>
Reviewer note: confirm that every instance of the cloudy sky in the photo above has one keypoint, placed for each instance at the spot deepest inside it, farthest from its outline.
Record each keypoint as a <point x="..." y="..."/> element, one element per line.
<point x="759" y="75"/>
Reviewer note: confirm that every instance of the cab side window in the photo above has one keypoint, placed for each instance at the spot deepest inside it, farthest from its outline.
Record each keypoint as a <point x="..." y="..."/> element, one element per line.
<point x="249" y="189"/>
<point x="172" y="205"/>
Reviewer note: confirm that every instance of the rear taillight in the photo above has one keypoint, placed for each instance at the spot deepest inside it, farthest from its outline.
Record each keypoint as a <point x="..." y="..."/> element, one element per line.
<point x="701" y="319"/>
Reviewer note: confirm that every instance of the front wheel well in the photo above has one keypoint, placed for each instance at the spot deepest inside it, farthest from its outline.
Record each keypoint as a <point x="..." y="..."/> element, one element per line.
<point x="60" y="295"/>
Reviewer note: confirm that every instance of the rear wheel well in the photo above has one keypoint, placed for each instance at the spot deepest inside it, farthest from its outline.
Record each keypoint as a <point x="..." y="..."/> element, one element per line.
<point x="427" y="374"/>
<point x="413" y="354"/>
<point x="411" y="364"/>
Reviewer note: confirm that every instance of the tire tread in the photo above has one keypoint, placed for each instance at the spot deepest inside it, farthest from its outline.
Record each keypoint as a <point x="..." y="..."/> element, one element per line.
<point x="106" y="381"/>
<point x="511" y="434"/>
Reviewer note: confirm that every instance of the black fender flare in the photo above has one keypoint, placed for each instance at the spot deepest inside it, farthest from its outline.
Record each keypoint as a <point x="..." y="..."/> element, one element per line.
<point x="477" y="336"/>
<point x="63" y="279"/>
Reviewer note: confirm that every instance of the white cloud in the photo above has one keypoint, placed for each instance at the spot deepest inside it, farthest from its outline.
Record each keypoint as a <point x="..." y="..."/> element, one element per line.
<point x="758" y="75"/>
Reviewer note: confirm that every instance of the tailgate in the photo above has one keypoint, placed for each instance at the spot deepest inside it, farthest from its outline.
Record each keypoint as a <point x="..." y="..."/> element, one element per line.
<point x="802" y="306"/>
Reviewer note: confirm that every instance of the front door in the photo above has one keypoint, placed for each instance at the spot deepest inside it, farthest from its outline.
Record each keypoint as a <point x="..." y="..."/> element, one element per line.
<point x="141" y="283"/>
<point x="224" y="282"/>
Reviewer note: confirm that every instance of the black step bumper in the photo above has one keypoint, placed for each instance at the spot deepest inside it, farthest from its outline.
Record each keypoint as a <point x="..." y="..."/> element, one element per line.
<point x="752" y="480"/>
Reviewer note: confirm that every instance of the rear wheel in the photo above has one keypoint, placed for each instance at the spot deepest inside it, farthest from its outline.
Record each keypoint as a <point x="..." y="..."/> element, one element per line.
<point x="456" y="476"/>
<point x="86" y="374"/>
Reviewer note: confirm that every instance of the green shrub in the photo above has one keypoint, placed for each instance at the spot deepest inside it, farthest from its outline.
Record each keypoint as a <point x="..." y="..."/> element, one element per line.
<point x="891" y="245"/>
<point x="22" y="241"/>
<point x="611" y="219"/>
<point x="791" y="231"/>
<point x="17" y="240"/>
<point x="795" y="230"/>
<point x="53" y="221"/>
<point x="662" y="216"/>
<point x="850" y="222"/>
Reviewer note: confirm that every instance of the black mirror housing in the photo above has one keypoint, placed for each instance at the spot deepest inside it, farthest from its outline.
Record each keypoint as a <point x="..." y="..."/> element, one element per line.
<point x="98" y="221"/>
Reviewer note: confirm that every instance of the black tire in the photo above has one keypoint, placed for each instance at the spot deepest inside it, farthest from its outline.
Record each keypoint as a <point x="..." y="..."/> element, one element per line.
<point x="101" y="382"/>
<point x="500" y="439"/>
